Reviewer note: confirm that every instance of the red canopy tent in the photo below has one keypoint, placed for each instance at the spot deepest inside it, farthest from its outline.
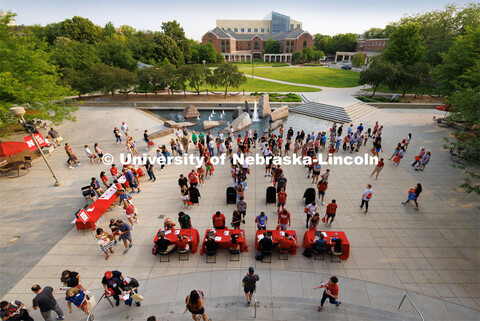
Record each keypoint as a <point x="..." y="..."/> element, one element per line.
<point x="12" y="148"/>
<point x="445" y="108"/>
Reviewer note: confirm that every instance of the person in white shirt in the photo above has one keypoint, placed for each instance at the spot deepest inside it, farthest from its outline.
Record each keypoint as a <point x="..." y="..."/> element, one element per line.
<point x="124" y="128"/>
<point x="220" y="135"/>
<point x="367" y="195"/>
<point x="179" y="133"/>
<point x="310" y="211"/>
<point x="89" y="154"/>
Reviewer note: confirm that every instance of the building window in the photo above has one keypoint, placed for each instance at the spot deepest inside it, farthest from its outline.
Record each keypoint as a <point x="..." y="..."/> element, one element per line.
<point x="305" y="44"/>
<point x="256" y="30"/>
<point x="305" y="36"/>
<point x="228" y="45"/>
<point x="264" y="43"/>
<point x="229" y="29"/>
<point x="210" y="41"/>
<point x="291" y="26"/>
<point x="236" y="29"/>
<point x="298" y="26"/>
<point x="268" y="30"/>
<point x="209" y="36"/>
<point x="263" y="30"/>
<point x="223" y="45"/>
<point x="249" y="30"/>
<point x="256" y="45"/>
<point x="249" y="45"/>
<point x="243" y="30"/>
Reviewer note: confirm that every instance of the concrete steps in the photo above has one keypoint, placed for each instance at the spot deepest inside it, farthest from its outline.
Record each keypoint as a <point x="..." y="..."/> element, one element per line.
<point x="322" y="111"/>
<point x="359" y="109"/>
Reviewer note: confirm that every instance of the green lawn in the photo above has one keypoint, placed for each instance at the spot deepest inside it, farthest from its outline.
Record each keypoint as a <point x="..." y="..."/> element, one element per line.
<point x="327" y="77"/>
<point x="264" y="86"/>
<point x="242" y="64"/>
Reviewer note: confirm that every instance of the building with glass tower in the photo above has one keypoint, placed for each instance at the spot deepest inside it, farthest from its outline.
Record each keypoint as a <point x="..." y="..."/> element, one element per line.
<point x="273" y="23"/>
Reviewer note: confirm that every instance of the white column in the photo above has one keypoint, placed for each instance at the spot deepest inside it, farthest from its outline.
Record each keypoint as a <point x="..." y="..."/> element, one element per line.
<point x="349" y="57"/>
<point x="264" y="57"/>
<point x="336" y="57"/>
<point x="343" y="57"/>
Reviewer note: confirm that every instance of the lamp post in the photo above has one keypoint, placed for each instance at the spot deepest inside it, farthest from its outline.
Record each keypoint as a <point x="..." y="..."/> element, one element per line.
<point x="252" y="66"/>
<point x="19" y="112"/>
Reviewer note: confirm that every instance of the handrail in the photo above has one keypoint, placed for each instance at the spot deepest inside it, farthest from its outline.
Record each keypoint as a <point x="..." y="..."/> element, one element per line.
<point x="413" y="304"/>
<point x="255" y="301"/>
<point x="93" y="308"/>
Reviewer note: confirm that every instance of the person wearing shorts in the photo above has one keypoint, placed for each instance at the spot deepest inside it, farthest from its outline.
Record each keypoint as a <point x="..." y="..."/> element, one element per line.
<point x="283" y="220"/>
<point x="330" y="213"/>
<point x="282" y="199"/>
<point x="249" y="284"/>
<point x="322" y="188"/>
<point x="378" y="168"/>
<point x="125" y="235"/>
<point x="195" y="303"/>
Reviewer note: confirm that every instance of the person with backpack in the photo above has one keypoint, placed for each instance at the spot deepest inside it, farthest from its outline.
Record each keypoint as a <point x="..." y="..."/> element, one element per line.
<point x="366" y="196"/>
<point x="249" y="283"/>
<point x="195" y="302"/>
<point x="413" y="195"/>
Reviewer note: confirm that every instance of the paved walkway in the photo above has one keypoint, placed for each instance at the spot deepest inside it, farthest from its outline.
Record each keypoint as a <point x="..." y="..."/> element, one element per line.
<point x="433" y="252"/>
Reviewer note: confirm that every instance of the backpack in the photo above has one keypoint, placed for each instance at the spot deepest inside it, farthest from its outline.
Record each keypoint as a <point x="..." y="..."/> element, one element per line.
<point x="307" y="252"/>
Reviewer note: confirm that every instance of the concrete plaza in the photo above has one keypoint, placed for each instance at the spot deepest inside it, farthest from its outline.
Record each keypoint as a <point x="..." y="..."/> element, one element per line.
<point x="433" y="253"/>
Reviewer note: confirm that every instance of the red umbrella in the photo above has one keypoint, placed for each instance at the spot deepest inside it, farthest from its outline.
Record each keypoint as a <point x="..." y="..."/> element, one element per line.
<point x="445" y="108"/>
<point x="11" y="148"/>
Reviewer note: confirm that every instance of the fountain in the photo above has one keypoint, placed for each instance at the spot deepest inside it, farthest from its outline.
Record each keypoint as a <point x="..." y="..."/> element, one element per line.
<point x="255" y="113"/>
<point x="221" y="115"/>
<point x="198" y="117"/>
<point x="213" y="111"/>
<point x="209" y="117"/>
<point x="223" y="112"/>
<point x="228" y="123"/>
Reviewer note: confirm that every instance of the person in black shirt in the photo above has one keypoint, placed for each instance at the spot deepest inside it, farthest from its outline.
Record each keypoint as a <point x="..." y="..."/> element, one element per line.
<point x="113" y="280"/>
<point x="70" y="278"/>
<point x="130" y="285"/>
<point x="14" y="311"/>
<point x="211" y="246"/>
<point x="182" y="181"/>
<point x="164" y="245"/>
<point x="265" y="244"/>
<point x="290" y="132"/>
<point x="46" y="302"/>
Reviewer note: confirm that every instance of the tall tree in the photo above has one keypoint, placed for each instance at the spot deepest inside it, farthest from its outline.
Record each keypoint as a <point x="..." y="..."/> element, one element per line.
<point x="115" y="51"/>
<point x="173" y="30"/>
<point x="166" y="47"/>
<point x="405" y="46"/>
<point x="376" y="74"/>
<point x="198" y="76"/>
<point x="308" y="53"/>
<point x="320" y="42"/>
<point x="341" y="42"/>
<point x="80" y="29"/>
<point x="109" y="30"/>
<point x="27" y="77"/>
<point x="358" y="60"/>
<point x="111" y="79"/>
<point x="227" y="75"/>
<point x="271" y="47"/>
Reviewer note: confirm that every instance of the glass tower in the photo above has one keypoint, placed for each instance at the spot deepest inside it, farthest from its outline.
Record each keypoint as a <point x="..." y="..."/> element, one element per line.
<point x="279" y="22"/>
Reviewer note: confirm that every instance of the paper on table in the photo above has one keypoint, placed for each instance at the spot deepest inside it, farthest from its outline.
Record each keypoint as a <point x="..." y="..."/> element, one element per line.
<point x="91" y="209"/>
<point x="218" y="238"/>
<point x="177" y="232"/>
<point x="226" y="233"/>
<point x="168" y="232"/>
<point x="324" y="234"/>
<point x="260" y="237"/>
<point x="282" y="233"/>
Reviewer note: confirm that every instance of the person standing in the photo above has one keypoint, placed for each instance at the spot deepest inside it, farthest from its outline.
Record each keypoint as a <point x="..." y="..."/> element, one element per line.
<point x="132" y="180"/>
<point x="55" y="137"/>
<point x="184" y="220"/>
<point x="14" y="310"/>
<point x="261" y="221"/>
<point x="424" y="161"/>
<point x="124" y="235"/>
<point x="218" y="220"/>
<point x="111" y="282"/>
<point x="242" y="207"/>
<point x="310" y="210"/>
<point x="149" y="168"/>
<point x="249" y="284"/>
<point x="367" y="195"/>
<point x="195" y="301"/>
<point x="282" y="199"/>
<point x="330" y="293"/>
<point x="378" y="168"/>
<point x="413" y="195"/>
<point x="71" y="156"/>
<point x="419" y="157"/>
<point x="322" y="188"/>
<point x="130" y="285"/>
<point x="45" y="301"/>
<point x="118" y="136"/>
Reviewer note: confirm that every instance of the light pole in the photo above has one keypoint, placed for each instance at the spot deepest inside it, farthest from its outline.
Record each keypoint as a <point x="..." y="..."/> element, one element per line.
<point x="252" y="65"/>
<point x="19" y="112"/>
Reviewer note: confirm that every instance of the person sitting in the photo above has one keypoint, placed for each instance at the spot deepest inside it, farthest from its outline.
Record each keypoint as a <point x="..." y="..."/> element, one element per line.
<point x="164" y="245"/>
<point x="218" y="220"/>
<point x="320" y="244"/>
<point x="234" y="245"/>
<point x="211" y="246"/>
<point x="287" y="243"/>
<point x="265" y="245"/>
<point x="182" y="243"/>
<point x="337" y="247"/>
<point x="169" y="224"/>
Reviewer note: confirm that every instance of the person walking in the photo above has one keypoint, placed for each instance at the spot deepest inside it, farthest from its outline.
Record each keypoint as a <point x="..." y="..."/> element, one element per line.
<point x="195" y="301"/>
<point x="261" y="221"/>
<point x="424" y="161"/>
<point x="378" y="168"/>
<point x="112" y="281"/>
<point x="330" y="293"/>
<point x="124" y="235"/>
<point x="413" y="195"/>
<point x="71" y="156"/>
<point x="149" y="168"/>
<point x="45" y="301"/>
<point x="366" y="196"/>
<point x="310" y="210"/>
<point x="55" y="137"/>
<point x="118" y="136"/>
<point x="330" y="213"/>
<point x="14" y="310"/>
<point x="249" y="283"/>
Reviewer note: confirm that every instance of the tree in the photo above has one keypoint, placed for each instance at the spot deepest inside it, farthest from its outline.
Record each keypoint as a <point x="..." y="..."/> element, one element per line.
<point x="166" y="47"/>
<point x="115" y="51"/>
<point x="341" y="42"/>
<point x="81" y="81"/>
<point x="298" y="58"/>
<point x="169" y="72"/>
<point x="308" y="54"/>
<point x="320" y="42"/>
<point x="72" y="54"/>
<point x="227" y="75"/>
<point x="183" y="75"/>
<point x="109" y="30"/>
<point x="80" y="29"/>
<point x="271" y="47"/>
<point x="408" y="77"/>
<point x="460" y="58"/>
<point x="128" y="31"/>
<point x="358" y="60"/>
<point x="110" y="79"/>
<point x="173" y="30"/>
<point x="198" y="76"/>
<point x="376" y="74"/>
<point x="318" y="55"/>
<point x="28" y="78"/>
<point x="207" y="52"/>
<point x="405" y="46"/>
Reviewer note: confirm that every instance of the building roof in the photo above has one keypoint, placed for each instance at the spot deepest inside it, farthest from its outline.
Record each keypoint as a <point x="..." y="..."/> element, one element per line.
<point x="291" y="34"/>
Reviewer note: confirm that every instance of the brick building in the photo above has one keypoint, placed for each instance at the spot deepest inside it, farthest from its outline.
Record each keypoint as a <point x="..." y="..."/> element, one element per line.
<point x="371" y="45"/>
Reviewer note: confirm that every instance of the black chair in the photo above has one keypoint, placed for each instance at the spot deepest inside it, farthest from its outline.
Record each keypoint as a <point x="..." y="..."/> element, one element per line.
<point x="86" y="192"/>
<point x="194" y="195"/>
<point x="309" y="196"/>
<point x="271" y="195"/>
<point x="27" y="163"/>
<point x="234" y="253"/>
<point x="183" y="255"/>
<point x="164" y="254"/>
<point x="283" y="254"/>
<point x="317" y="254"/>
<point x="335" y="254"/>
<point x="211" y="254"/>
<point x="266" y="254"/>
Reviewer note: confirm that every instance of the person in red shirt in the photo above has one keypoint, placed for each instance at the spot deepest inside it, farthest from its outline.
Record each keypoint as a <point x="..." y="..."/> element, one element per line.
<point x="201" y="175"/>
<point x="287" y="243"/>
<point x="283" y="219"/>
<point x="182" y="243"/>
<point x="322" y="187"/>
<point x="104" y="179"/>
<point x="114" y="171"/>
<point x="330" y="213"/>
<point x="330" y="293"/>
<point x="193" y="178"/>
<point x="282" y="199"/>
<point x="378" y="168"/>
<point x="331" y="151"/>
<point x="218" y="220"/>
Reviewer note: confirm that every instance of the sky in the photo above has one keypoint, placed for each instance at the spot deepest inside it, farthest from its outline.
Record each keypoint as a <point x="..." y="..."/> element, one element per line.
<point x="328" y="17"/>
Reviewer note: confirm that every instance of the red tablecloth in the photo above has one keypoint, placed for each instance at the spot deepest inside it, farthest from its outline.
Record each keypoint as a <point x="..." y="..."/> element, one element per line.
<point x="224" y="240"/>
<point x="99" y="207"/>
<point x="276" y="236"/>
<point x="190" y="233"/>
<point x="309" y="240"/>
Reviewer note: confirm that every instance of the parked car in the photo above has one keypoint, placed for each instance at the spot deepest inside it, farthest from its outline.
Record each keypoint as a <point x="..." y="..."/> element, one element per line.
<point x="347" y="67"/>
